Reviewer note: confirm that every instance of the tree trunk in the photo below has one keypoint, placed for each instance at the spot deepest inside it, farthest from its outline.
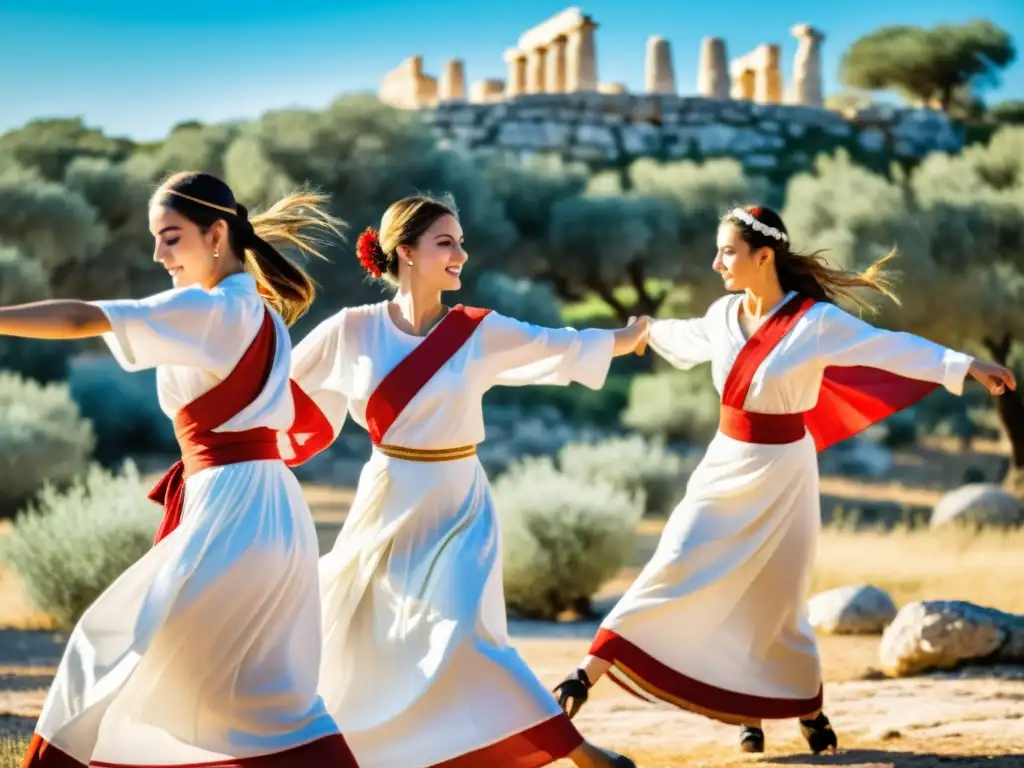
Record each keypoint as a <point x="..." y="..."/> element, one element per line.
<point x="1010" y="407"/>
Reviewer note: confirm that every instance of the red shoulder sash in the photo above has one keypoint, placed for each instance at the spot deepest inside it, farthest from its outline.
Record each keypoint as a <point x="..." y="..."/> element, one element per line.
<point x="851" y="399"/>
<point x="195" y="423"/>
<point x="407" y="378"/>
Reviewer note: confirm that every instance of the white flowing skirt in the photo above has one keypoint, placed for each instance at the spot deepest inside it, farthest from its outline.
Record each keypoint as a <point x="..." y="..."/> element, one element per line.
<point x="417" y="668"/>
<point x="716" y="622"/>
<point x="208" y="648"/>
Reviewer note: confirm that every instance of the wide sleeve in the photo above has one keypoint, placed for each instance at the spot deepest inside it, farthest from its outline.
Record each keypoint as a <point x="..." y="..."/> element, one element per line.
<point x="683" y="343"/>
<point x="516" y="353"/>
<point x="320" y="369"/>
<point x="176" y="327"/>
<point x="847" y="341"/>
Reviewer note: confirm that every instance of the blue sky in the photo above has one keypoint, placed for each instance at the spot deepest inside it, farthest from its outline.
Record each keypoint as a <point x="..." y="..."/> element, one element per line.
<point x="138" y="68"/>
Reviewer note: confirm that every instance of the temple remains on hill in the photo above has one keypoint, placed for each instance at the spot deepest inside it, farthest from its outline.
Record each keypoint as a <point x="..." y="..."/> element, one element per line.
<point x="559" y="56"/>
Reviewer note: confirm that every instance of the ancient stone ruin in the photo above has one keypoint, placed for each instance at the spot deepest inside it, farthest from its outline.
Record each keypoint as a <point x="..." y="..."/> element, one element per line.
<point x="552" y="101"/>
<point x="559" y="56"/>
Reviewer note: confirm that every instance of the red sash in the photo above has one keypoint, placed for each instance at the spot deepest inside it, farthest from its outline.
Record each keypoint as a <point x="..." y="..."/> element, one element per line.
<point x="851" y="398"/>
<point x="407" y="378"/>
<point x="201" y="447"/>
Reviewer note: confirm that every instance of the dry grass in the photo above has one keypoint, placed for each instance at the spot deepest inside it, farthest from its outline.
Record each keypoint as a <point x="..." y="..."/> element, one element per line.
<point x="12" y="752"/>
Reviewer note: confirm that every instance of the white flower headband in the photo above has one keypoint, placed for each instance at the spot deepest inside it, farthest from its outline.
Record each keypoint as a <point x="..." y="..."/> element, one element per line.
<point x="756" y="225"/>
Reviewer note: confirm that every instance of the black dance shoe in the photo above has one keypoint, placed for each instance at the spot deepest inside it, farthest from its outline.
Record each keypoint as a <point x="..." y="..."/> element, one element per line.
<point x="617" y="760"/>
<point x="819" y="734"/>
<point x="751" y="739"/>
<point x="576" y="687"/>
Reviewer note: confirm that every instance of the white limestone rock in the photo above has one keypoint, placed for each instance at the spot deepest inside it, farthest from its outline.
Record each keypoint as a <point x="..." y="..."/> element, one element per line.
<point x="853" y="610"/>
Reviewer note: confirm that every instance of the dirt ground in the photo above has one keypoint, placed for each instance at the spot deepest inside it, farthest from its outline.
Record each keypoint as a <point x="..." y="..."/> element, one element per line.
<point x="963" y="718"/>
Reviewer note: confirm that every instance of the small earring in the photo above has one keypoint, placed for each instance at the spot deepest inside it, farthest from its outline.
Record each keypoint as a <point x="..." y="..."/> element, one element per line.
<point x="409" y="262"/>
<point x="216" y="254"/>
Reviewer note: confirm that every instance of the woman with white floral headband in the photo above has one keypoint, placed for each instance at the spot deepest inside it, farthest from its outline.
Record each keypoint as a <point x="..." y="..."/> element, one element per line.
<point x="717" y="623"/>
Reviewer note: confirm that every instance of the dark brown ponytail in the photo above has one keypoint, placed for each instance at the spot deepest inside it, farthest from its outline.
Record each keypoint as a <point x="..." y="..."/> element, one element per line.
<point x="298" y="220"/>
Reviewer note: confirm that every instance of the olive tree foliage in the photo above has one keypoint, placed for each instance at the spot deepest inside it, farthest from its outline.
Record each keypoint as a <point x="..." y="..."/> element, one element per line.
<point x="49" y="146"/>
<point x="959" y="224"/>
<point x="364" y="156"/>
<point x="937" y="66"/>
<point x="595" y="234"/>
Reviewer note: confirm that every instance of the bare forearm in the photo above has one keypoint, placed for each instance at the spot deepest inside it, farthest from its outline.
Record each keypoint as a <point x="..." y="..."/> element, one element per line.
<point x="627" y="339"/>
<point x="57" y="319"/>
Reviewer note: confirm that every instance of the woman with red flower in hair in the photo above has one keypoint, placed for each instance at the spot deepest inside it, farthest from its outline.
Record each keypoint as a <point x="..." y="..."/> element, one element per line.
<point x="716" y="623"/>
<point x="418" y="670"/>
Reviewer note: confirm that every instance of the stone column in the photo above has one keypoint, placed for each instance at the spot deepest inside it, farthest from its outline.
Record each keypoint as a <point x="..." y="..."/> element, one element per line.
<point x="453" y="81"/>
<point x="581" y="59"/>
<point x="535" y="70"/>
<point x="713" y="75"/>
<point x="555" y="77"/>
<point x="806" y="88"/>
<point x="659" y="76"/>
<point x="768" y="78"/>
<point x="744" y="83"/>
<point x="486" y="91"/>
<point x="516" y="83"/>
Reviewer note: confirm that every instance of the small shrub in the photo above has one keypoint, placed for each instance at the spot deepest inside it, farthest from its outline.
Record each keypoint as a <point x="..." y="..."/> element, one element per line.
<point x="71" y="545"/>
<point x="562" y="537"/>
<point x="677" y="406"/>
<point x="42" y="439"/>
<point x="123" y="408"/>
<point x="632" y="464"/>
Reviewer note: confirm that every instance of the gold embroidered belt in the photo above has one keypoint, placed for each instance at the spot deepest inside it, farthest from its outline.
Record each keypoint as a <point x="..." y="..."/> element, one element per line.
<point x="421" y="454"/>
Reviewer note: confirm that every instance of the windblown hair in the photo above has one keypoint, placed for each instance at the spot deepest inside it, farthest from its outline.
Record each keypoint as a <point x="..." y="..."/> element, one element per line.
<point x="809" y="273"/>
<point x="403" y="223"/>
<point x="299" y="220"/>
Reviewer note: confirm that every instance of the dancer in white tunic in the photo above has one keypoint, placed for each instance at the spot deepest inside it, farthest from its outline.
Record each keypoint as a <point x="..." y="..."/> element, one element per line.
<point x="418" y="669"/>
<point x="716" y="622"/>
<point x="207" y="650"/>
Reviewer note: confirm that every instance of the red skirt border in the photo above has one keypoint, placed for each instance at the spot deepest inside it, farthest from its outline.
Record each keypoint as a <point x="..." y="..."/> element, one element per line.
<point x="666" y="684"/>
<point x="539" y="745"/>
<point x="328" y="751"/>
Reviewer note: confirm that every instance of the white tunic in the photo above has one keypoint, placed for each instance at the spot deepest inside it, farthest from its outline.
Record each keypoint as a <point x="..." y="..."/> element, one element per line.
<point x="208" y="647"/>
<point x="417" y="667"/>
<point x="718" y="616"/>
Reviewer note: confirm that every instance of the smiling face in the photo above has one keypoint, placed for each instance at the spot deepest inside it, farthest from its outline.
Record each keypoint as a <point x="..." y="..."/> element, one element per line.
<point x="437" y="257"/>
<point x="740" y="266"/>
<point x="183" y="249"/>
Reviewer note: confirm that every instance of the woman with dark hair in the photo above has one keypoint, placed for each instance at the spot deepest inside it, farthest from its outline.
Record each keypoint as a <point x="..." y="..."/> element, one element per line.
<point x="717" y="623"/>
<point x="207" y="650"/>
<point x="418" y="670"/>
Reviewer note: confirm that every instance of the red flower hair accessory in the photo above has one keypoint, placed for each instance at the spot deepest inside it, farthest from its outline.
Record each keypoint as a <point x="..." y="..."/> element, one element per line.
<point x="368" y="249"/>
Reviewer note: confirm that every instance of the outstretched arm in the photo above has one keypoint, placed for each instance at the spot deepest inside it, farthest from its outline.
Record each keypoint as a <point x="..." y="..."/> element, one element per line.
<point x="683" y="343"/>
<point x="515" y="353"/>
<point x="844" y="340"/>
<point x="54" y="319"/>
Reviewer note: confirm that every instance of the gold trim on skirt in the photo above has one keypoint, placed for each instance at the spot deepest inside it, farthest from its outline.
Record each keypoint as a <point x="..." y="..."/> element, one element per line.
<point x="421" y="454"/>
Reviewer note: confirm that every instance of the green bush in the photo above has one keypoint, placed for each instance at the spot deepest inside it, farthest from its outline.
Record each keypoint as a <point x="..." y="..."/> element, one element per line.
<point x="123" y="408"/>
<point x="23" y="280"/>
<point x="42" y="439"/>
<point x="677" y="406"/>
<point x="563" y="537"/>
<point x="71" y="545"/>
<point x="632" y="464"/>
